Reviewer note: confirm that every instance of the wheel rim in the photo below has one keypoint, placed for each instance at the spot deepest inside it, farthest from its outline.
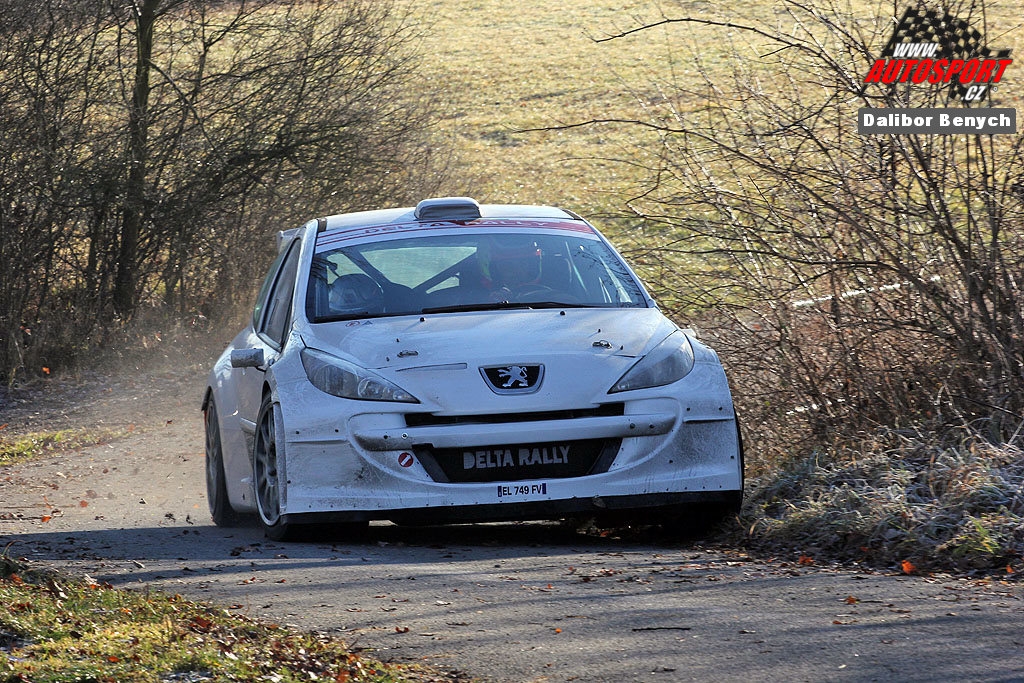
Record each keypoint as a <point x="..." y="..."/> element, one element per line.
<point x="268" y="496"/>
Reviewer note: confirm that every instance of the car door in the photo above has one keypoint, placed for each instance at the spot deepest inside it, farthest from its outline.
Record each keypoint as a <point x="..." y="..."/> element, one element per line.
<point x="271" y="322"/>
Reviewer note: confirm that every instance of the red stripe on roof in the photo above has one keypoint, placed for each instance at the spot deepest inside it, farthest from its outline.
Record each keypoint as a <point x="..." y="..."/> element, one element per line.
<point x="346" y="235"/>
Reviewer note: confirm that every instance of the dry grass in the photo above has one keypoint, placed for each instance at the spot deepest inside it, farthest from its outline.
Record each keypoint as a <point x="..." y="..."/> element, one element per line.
<point x="899" y="496"/>
<point x="504" y="67"/>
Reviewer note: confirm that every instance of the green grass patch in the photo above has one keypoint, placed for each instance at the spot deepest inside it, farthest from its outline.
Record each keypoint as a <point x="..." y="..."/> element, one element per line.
<point x="56" y="629"/>
<point x="25" y="446"/>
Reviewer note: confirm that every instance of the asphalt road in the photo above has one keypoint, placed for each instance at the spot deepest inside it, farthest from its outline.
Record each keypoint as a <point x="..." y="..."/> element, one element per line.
<point x="526" y="602"/>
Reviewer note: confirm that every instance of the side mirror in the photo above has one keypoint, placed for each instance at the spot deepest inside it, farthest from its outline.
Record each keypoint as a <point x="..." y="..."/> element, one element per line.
<point x="247" y="358"/>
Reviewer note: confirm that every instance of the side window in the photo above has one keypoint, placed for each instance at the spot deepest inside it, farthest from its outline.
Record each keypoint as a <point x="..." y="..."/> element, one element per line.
<point x="275" y="323"/>
<point x="268" y="282"/>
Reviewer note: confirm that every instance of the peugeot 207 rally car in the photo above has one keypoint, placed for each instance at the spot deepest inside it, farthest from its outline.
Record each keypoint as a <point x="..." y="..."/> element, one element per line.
<point x="460" y="362"/>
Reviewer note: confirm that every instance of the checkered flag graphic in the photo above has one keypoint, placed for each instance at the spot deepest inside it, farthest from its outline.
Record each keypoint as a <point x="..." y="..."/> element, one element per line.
<point x="956" y="38"/>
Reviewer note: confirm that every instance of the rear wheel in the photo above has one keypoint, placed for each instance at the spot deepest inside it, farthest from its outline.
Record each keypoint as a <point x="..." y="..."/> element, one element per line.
<point x="268" y="473"/>
<point x="216" y="482"/>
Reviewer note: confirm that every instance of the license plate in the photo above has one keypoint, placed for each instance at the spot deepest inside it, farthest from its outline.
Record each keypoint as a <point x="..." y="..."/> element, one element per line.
<point x="506" y="491"/>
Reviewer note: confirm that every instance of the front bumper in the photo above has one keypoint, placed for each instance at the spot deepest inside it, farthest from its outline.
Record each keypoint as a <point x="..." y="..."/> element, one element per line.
<point x="668" y="453"/>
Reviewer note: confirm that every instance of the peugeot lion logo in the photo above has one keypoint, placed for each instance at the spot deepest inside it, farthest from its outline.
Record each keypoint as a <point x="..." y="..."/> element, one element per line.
<point x="513" y="379"/>
<point x="514" y="376"/>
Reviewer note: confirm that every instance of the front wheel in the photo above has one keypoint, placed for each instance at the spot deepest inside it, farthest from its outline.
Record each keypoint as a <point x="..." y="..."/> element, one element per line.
<point x="216" y="483"/>
<point x="268" y="473"/>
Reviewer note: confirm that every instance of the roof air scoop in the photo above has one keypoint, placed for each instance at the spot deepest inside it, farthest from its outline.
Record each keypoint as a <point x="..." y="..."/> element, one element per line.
<point x="448" y="209"/>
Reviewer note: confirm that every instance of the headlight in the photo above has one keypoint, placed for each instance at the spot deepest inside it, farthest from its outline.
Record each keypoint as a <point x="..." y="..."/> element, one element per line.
<point x="670" y="361"/>
<point x="340" y="378"/>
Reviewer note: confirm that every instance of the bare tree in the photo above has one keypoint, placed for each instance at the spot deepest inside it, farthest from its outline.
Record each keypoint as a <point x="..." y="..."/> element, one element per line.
<point x="149" y="146"/>
<point x="854" y="280"/>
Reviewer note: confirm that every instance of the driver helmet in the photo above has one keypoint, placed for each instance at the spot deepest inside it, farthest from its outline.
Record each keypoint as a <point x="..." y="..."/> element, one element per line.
<point x="354" y="292"/>
<point x="510" y="261"/>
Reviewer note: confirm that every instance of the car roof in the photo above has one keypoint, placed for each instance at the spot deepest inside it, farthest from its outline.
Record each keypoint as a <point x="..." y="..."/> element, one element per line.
<point x="408" y="215"/>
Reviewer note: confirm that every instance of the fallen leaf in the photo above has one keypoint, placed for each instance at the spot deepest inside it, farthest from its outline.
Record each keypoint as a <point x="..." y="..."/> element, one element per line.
<point x="46" y="518"/>
<point x="850" y="600"/>
<point x="401" y="629"/>
<point x="908" y="567"/>
<point x="805" y="560"/>
<point x="83" y="503"/>
<point x="202" y="624"/>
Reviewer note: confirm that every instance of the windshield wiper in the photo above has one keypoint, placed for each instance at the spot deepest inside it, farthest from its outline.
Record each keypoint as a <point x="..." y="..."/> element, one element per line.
<point x="345" y="316"/>
<point x="483" y="306"/>
<point x="560" y="304"/>
<point x="505" y="305"/>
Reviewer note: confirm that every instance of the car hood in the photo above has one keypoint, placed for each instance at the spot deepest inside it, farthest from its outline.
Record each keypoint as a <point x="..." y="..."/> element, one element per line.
<point x="491" y="336"/>
<point x="441" y="358"/>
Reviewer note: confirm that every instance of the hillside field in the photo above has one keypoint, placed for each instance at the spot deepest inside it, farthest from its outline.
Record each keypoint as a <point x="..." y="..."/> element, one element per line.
<point x="506" y="67"/>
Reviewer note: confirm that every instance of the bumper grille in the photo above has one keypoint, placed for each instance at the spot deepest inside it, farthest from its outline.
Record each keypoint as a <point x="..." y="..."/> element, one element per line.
<point x="430" y="419"/>
<point x="518" y="462"/>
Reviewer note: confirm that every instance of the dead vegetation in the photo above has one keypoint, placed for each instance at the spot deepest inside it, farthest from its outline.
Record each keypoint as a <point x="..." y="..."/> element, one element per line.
<point x="865" y="290"/>
<point x="937" y="502"/>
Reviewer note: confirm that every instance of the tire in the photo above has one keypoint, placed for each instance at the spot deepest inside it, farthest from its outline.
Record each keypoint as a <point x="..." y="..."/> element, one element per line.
<point x="698" y="521"/>
<point x="267" y="474"/>
<point x="221" y="512"/>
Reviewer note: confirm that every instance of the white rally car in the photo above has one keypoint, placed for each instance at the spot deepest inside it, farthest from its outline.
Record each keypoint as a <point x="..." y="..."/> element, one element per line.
<point x="460" y="362"/>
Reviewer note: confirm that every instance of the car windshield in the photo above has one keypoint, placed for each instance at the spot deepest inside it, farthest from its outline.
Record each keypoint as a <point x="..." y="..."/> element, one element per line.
<point x="462" y="271"/>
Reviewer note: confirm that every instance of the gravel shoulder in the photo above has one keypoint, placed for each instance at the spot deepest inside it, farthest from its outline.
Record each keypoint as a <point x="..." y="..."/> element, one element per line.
<point x="514" y="602"/>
